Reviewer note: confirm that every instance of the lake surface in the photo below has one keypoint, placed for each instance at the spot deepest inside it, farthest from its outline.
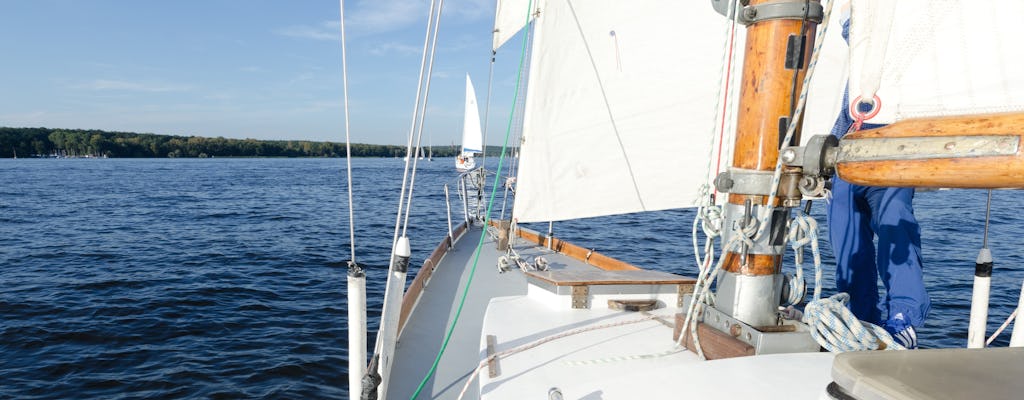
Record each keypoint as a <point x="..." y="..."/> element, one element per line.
<point x="225" y="278"/>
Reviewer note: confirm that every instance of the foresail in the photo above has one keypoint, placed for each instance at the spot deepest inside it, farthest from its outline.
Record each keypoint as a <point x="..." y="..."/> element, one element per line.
<point x="510" y="17"/>
<point x="472" y="141"/>
<point x="620" y="113"/>
<point x="937" y="57"/>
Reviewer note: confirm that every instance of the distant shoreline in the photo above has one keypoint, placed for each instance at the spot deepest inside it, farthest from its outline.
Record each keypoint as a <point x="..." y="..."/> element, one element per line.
<point x="81" y="143"/>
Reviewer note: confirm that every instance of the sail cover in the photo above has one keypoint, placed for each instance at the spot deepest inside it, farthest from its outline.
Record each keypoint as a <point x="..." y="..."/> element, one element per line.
<point x="472" y="141"/>
<point x="620" y="113"/>
<point x="937" y="57"/>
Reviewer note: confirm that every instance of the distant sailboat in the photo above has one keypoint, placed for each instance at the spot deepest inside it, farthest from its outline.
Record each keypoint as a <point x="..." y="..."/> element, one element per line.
<point x="472" y="139"/>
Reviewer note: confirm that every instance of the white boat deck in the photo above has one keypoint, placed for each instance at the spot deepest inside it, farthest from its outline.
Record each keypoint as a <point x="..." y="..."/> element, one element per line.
<point x="516" y="312"/>
<point x="423" y="334"/>
<point x="637" y="360"/>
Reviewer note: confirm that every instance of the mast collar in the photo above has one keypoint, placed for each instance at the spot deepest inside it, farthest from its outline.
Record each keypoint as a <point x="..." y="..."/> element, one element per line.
<point x="769" y="11"/>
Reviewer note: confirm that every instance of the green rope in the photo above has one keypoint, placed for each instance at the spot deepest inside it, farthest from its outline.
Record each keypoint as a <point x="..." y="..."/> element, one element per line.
<point x="487" y="219"/>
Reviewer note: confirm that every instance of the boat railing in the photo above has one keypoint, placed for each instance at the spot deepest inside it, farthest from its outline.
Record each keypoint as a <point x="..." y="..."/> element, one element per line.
<point x="469" y="186"/>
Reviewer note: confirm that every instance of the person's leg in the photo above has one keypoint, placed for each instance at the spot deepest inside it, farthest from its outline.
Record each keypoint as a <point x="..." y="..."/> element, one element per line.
<point x="899" y="257"/>
<point x="852" y="244"/>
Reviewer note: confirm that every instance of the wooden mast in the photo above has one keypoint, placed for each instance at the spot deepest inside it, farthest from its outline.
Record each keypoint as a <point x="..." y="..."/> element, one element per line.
<point x="771" y="58"/>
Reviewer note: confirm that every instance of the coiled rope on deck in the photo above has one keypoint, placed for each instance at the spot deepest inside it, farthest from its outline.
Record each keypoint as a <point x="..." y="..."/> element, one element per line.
<point x="838" y="330"/>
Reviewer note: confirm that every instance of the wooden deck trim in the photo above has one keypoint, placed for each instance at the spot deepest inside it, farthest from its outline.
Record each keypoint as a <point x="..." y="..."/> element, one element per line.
<point x="412" y="296"/>
<point x="715" y="344"/>
<point x="573" y="251"/>
<point x="661" y="278"/>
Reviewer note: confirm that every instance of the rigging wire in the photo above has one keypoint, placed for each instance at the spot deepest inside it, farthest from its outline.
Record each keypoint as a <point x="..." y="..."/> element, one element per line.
<point x="348" y="139"/>
<point x="423" y="112"/>
<point x="486" y="220"/>
<point x="706" y="211"/>
<point x="723" y="94"/>
<point x="390" y="286"/>
<point x="487" y="108"/>
<point x="412" y="128"/>
<point x="356" y="286"/>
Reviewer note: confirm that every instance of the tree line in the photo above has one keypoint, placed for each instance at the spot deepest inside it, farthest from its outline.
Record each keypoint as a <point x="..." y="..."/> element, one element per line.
<point x="46" y="142"/>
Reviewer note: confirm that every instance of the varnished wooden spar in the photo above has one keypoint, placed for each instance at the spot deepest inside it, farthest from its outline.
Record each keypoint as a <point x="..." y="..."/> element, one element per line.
<point x="765" y="105"/>
<point x="979" y="151"/>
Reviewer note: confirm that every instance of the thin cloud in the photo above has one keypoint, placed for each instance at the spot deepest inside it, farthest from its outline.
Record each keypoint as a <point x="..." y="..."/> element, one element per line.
<point x="327" y="30"/>
<point x="395" y="47"/>
<point x="379" y="16"/>
<point x="114" y="85"/>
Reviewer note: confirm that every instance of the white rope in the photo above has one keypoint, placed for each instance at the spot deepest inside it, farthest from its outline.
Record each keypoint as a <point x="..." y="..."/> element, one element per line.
<point x="702" y="295"/>
<point x="836" y="329"/>
<point x="538" y="342"/>
<point x="1002" y="327"/>
<point x="615" y="359"/>
<point x="803" y="231"/>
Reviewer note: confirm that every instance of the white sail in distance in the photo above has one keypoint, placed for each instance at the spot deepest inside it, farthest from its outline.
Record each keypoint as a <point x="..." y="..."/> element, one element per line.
<point x="472" y="138"/>
<point x="620" y="111"/>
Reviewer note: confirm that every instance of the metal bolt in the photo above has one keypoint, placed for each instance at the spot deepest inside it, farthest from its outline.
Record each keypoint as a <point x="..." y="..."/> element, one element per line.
<point x="788" y="156"/>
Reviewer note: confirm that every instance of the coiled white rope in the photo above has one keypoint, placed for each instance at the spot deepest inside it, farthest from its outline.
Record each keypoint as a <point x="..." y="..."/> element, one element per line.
<point x="838" y="330"/>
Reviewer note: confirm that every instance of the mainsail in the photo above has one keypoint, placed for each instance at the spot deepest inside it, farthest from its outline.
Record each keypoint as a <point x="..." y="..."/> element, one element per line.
<point x="620" y="110"/>
<point x="929" y="58"/>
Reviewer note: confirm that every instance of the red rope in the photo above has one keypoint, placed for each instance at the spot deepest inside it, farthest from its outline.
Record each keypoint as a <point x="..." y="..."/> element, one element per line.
<point x="725" y="102"/>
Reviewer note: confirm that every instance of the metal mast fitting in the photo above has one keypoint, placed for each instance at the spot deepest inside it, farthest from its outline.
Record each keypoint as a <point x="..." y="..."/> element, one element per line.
<point x="779" y="41"/>
<point x="753" y="13"/>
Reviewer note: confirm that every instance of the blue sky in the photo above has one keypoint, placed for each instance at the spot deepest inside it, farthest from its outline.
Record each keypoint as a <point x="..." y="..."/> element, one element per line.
<point x="244" y="68"/>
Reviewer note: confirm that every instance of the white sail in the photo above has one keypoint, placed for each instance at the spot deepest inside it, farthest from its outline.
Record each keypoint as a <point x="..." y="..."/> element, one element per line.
<point x="509" y="18"/>
<point x="937" y="57"/>
<point x="620" y="109"/>
<point x="472" y="139"/>
<point x="825" y="92"/>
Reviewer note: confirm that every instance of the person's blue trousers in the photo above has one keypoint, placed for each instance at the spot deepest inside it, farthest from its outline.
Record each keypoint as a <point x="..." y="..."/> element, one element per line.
<point x="856" y="214"/>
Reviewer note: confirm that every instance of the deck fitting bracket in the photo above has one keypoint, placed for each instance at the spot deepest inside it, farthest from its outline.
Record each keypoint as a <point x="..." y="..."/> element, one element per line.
<point x="683" y="290"/>
<point x="493" y="369"/>
<point x="579" y="297"/>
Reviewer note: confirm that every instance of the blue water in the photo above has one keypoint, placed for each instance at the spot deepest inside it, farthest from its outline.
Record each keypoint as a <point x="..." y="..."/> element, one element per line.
<point x="225" y="278"/>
